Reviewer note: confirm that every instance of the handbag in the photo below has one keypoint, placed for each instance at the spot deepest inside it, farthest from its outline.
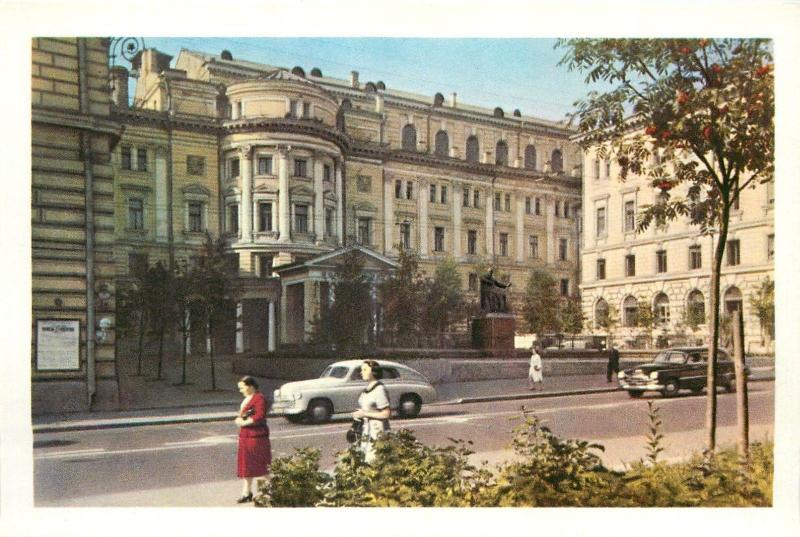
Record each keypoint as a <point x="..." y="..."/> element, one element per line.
<point x="353" y="434"/>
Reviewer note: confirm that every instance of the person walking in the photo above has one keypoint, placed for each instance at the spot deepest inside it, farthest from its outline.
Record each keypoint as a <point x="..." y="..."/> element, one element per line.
<point x="613" y="363"/>
<point x="255" y="453"/>
<point x="535" y="370"/>
<point x="373" y="408"/>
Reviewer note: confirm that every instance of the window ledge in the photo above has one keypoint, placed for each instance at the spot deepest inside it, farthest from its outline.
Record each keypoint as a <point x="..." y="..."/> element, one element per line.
<point x="135" y="231"/>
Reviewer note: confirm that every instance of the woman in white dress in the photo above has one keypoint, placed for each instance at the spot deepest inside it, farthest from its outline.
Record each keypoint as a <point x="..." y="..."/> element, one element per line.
<point x="535" y="370"/>
<point x="373" y="408"/>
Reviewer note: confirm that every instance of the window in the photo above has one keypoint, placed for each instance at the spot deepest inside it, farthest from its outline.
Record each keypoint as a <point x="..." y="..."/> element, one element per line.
<point x="141" y="159"/>
<point x="441" y="144"/>
<point x="195" y="216"/>
<point x="409" y="190"/>
<point x="293" y="107"/>
<point x="233" y="168"/>
<point x="661" y="309"/>
<point x="564" y="287"/>
<point x="630" y="309"/>
<point x="398" y="189"/>
<point x="600" y="228"/>
<point x="538" y="207"/>
<point x="504" y="244"/>
<point x="608" y="169"/>
<point x="557" y="161"/>
<point x="195" y="165"/>
<point x="733" y="300"/>
<point x="695" y="257"/>
<point x="497" y="202"/>
<point x="533" y="246"/>
<point x="770" y="195"/>
<point x="265" y="265"/>
<point x="364" y="183"/>
<point x="601" y="269"/>
<point x="233" y="218"/>
<point x="465" y="200"/>
<point x="364" y="225"/>
<point x="661" y="261"/>
<point x="601" y="313"/>
<point x="566" y="210"/>
<point x="301" y="218"/>
<point x="239" y="109"/>
<point x="630" y="215"/>
<point x="300" y="167"/>
<point x="596" y="169"/>
<point x="735" y="205"/>
<point x="473" y="149"/>
<point x="405" y="235"/>
<point x="327" y="173"/>
<point x="770" y="247"/>
<point x="265" y="216"/>
<point x="137" y="264"/>
<point x="438" y="239"/>
<point x="508" y="202"/>
<point x="527" y="205"/>
<point x="136" y="214"/>
<point x="476" y="198"/>
<point x="562" y="249"/>
<point x="530" y="158"/>
<point x="558" y="209"/>
<point x="472" y="281"/>
<point x="472" y="242"/>
<point x="443" y="192"/>
<point x="432" y="196"/>
<point x="264" y="166"/>
<point x="125" y="156"/>
<point x="501" y="153"/>
<point x="630" y="265"/>
<point x="733" y="252"/>
<point x="328" y="222"/>
<point x="697" y="307"/>
<point x="409" y="138"/>
<point x="306" y="110"/>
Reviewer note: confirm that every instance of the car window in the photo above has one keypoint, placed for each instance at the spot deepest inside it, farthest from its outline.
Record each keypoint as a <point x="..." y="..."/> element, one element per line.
<point x="722" y="355"/>
<point x="338" y="372"/>
<point x="662" y="358"/>
<point x="356" y="374"/>
<point x="677" y="358"/>
<point x="694" y="358"/>
<point x="390" y="373"/>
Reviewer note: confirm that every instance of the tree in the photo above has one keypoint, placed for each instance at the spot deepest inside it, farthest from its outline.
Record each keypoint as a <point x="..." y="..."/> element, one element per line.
<point x="185" y="297"/>
<point x="159" y="305"/>
<point x="403" y="299"/>
<point x="130" y="318"/>
<point x="345" y="322"/>
<point x="444" y="302"/>
<point x="763" y="303"/>
<point x="706" y="108"/>
<point x="540" y="305"/>
<point x="571" y="316"/>
<point x="645" y="318"/>
<point x="609" y="322"/>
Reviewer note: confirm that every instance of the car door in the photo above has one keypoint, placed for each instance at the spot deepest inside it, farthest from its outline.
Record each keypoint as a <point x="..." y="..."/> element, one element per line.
<point x="678" y="367"/>
<point x="391" y="379"/>
<point x="350" y="391"/>
<point x="696" y="369"/>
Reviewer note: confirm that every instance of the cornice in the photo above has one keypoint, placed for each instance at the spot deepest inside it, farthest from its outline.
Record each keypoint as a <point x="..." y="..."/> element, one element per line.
<point x="62" y="118"/>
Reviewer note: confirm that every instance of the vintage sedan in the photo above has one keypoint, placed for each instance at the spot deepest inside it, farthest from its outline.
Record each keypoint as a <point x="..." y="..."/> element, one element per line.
<point x="677" y="369"/>
<point x="338" y="387"/>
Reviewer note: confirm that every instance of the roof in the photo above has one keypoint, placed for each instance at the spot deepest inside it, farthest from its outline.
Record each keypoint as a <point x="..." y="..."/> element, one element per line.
<point x="323" y="258"/>
<point x="350" y="363"/>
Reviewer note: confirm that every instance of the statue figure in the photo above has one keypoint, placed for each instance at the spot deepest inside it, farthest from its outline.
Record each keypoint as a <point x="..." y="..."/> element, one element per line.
<point x="493" y="294"/>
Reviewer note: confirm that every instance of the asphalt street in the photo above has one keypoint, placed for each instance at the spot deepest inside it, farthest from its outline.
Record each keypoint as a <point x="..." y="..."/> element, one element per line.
<point x="195" y="464"/>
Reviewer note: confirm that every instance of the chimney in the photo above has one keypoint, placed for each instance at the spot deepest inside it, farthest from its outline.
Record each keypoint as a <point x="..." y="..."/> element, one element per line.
<point x="354" y="79"/>
<point x="453" y="100"/>
<point x="119" y="85"/>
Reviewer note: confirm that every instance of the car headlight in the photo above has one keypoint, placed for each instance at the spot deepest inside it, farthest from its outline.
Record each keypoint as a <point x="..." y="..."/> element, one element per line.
<point x="297" y="396"/>
<point x="654" y="375"/>
<point x="621" y="375"/>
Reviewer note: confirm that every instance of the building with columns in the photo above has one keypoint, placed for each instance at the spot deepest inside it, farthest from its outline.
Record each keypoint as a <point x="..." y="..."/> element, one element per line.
<point x="293" y="167"/>
<point x="668" y="267"/>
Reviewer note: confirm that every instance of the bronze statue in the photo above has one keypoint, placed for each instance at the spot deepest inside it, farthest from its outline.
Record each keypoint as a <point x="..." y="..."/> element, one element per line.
<point x="493" y="294"/>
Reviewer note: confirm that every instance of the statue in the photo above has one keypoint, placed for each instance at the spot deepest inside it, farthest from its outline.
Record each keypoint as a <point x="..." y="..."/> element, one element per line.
<point x="493" y="294"/>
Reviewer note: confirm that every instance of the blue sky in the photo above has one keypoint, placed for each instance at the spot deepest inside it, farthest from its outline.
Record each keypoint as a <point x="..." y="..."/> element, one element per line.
<point x="510" y="73"/>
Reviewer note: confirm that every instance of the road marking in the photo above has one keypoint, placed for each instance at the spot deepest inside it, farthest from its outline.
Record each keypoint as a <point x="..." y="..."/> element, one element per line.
<point x="71" y="453"/>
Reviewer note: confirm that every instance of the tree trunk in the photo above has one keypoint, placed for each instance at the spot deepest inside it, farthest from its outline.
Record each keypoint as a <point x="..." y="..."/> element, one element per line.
<point x="211" y="354"/>
<point x="160" y="351"/>
<point x="183" y="355"/>
<point x="742" y="423"/>
<point x="713" y="343"/>
<point x="141" y="344"/>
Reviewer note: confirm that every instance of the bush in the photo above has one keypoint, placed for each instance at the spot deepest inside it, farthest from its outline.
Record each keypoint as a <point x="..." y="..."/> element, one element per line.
<point x="296" y="481"/>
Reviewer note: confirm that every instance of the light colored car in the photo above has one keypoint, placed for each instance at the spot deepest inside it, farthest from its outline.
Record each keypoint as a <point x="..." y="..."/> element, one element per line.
<point x="338" y="387"/>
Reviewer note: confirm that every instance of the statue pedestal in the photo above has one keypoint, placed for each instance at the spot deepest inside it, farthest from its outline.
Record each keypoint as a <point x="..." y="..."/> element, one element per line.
<point x="494" y="331"/>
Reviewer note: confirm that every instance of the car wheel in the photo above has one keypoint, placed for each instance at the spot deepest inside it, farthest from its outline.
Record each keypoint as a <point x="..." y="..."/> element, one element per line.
<point x="410" y="405"/>
<point x="635" y="394"/>
<point x="671" y="388"/>
<point x="319" y="410"/>
<point x="295" y="418"/>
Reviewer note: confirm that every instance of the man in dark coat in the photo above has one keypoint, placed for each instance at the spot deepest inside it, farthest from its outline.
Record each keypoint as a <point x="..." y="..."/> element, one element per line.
<point x="613" y="362"/>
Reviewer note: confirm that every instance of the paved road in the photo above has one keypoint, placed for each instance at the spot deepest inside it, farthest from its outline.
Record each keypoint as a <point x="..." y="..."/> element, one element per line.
<point x="194" y="464"/>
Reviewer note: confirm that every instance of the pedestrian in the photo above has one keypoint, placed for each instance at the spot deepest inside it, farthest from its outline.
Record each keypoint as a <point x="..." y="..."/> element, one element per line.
<point x="535" y="370"/>
<point x="255" y="453"/>
<point x="613" y="362"/>
<point x="373" y="408"/>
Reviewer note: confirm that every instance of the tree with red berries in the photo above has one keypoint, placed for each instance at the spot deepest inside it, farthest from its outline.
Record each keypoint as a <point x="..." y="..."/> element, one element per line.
<point x="704" y="108"/>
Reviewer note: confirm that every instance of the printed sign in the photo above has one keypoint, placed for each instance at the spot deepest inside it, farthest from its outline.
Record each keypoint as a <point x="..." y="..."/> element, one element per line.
<point x="57" y="345"/>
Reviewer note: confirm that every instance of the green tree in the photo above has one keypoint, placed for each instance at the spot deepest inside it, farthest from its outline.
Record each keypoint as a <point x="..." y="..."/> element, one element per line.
<point x="645" y="319"/>
<point x="445" y="304"/>
<point x="402" y="293"/>
<point x="706" y="108"/>
<point x="608" y="321"/>
<point x="185" y="297"/>
<point x="348" y="318"/>
<point x="159" y="305"/>
<point x="763" y="303"/>
<point x="540" y="305"/>
<point x="571" y="316"/>
<point x="130" y="318"/>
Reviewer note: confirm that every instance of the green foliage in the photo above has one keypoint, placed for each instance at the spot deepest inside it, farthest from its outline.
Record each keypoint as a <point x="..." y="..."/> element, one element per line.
<point x="296" y="481"/>
<point x="654" y="435"/>
<point x="444" y="303"/>
<point x="763" y="303"/>
<point x="541" y="303"/>
<point x="402" y="293"/>
<point x="571" y="315"/>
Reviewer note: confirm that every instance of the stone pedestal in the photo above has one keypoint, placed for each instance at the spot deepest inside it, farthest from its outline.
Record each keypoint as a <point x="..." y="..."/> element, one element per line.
<point x="494" y="331"/>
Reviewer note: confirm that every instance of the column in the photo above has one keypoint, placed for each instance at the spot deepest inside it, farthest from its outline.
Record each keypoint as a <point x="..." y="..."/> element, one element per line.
<point x="162" y="202"/>
<point x="458" y="195"/>
<point x="549" y="216"/>
<point x="422" y="209"/>
<point x="339" y="202"/>
<point x="283" y="195"/>
<point x="246" y="207"/>
<point x="271" y="327"/>
<point x="239" y="328"/>
<point x="520" y="227"/>
<point x="489" y="222"/>
<point x="388" y="213"/>
<point x="319" y="211"/>
<point x="284" y="313"/>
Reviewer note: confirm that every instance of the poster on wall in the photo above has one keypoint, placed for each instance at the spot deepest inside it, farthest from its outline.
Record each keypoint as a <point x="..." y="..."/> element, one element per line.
<point x="57" y="345"/>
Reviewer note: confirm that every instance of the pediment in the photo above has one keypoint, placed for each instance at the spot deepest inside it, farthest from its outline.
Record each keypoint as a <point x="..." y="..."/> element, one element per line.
<point x="365" y="206"/>
<point x="301" y="191"/>
<point x="196" y="188"/>
<point x="265" y="189"/>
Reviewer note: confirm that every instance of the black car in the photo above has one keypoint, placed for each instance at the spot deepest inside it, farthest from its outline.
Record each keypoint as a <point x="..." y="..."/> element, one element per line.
<point x="677" y="369"/>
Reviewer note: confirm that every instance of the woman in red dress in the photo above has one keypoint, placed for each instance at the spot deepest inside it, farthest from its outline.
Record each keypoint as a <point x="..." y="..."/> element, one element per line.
<point x="255" y="453"/>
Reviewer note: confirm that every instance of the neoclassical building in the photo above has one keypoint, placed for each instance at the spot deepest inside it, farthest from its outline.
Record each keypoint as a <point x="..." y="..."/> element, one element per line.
<point x="291" y="167"/>
<point x="670" y="267"/>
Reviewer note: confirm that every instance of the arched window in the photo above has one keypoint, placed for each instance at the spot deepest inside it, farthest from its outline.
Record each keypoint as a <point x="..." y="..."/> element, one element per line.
<point x="630" y="308"/>
<point x="596" y="168"/>
<point x="501" y="153"/>
<point x="601" y="313"/>
<point x="530" y="158"/>
<point x="733" y="300"/>
<point x="696" y="308"/>
<point x="409" y="138"/>
<point x="557" y="161"/>
<point x="442" y="144"/>
<point x="661" y="307"/>
<point x="473" y="149"/>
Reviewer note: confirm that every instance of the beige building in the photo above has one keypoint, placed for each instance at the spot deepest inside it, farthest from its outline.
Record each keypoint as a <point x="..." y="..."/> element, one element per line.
<point x="669" y="268"/>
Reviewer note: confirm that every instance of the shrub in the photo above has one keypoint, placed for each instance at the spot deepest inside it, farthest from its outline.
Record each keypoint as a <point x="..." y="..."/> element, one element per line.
<point x="296" y="481"/>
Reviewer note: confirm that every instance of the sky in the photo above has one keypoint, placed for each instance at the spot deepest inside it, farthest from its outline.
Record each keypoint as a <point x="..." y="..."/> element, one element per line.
<point x="510" y="73"/>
